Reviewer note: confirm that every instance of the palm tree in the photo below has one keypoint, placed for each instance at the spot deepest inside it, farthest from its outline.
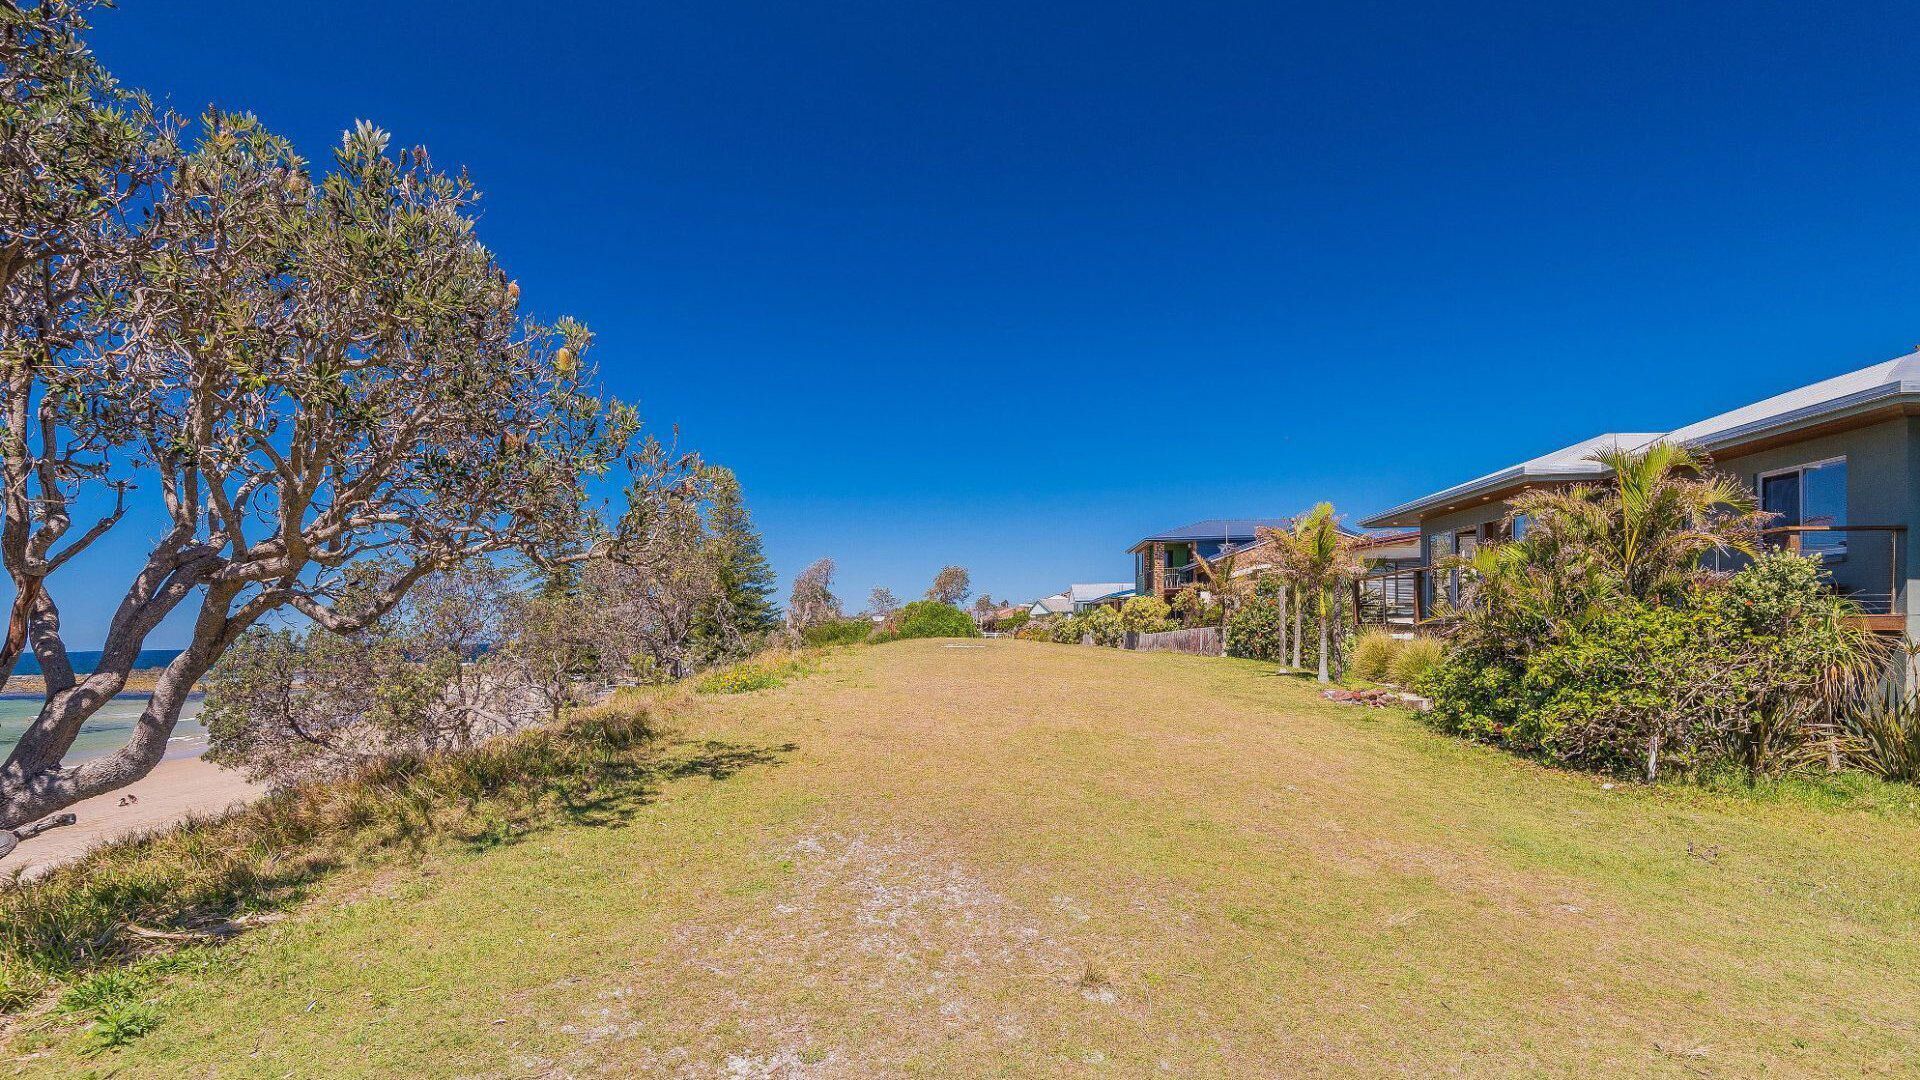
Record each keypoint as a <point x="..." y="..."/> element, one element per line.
<point x="1219" y="575"/>
<point x="1317" y="555"/>
<point x="1646" y="531"/>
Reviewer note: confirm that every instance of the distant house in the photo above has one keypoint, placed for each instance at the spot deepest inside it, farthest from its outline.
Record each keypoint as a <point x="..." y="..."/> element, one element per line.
<point x="1837" y="463"/>
<point x="1083" y="597"/>
<point x="991" y="620"/>
<point x="1057" y="604"/>
<point x="1164" y="563"/>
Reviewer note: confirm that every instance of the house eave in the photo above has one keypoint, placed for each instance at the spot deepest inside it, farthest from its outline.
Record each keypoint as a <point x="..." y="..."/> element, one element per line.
<point x="1410" y="515"/>
<point x="1867" y="406"/>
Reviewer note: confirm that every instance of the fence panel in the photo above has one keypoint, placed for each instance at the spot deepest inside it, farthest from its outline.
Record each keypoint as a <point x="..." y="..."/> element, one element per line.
<point x="1201" y="641"/>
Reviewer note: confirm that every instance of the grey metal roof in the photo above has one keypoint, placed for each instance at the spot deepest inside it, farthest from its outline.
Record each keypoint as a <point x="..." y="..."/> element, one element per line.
<point x="1087" y="594"/>
<point x="1890" y="382"/>
<point x="1882" y="384"/>
<point x="1232" y="530"/>
<point x="1567" y="463"/>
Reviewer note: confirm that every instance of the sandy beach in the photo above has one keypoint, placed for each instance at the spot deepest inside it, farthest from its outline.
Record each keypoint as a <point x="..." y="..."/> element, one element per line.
<point x="176" y="789"/>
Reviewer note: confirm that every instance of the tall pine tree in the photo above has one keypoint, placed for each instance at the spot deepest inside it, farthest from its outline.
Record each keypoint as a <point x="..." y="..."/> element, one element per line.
<point x="744" y="611"/>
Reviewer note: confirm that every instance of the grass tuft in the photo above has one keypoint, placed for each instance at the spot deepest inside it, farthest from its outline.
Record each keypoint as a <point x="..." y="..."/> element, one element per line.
<point x="1413" y="659"/>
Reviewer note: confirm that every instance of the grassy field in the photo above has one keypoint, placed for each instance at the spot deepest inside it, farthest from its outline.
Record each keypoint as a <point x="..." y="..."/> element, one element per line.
<point x="1014" y="859"/>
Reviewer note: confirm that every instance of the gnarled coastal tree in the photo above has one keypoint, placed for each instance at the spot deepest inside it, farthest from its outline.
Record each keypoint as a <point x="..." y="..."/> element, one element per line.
<point x="286" y="375"/>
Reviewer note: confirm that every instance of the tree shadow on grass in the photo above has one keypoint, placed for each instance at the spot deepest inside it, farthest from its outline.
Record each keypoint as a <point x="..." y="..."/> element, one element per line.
<point x="207" y="880"/>
<point x="611" y="800"/>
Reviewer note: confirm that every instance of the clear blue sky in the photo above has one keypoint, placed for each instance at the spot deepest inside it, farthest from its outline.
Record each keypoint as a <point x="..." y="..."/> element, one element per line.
<point x="1011" y="284"/>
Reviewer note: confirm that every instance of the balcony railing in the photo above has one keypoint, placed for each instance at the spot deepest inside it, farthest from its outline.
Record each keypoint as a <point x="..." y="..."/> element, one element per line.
<point x="1867" y="564"/>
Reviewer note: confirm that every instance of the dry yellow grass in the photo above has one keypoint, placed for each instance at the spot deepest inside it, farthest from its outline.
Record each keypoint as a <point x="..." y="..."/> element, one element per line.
<point x="1015" y="859"/>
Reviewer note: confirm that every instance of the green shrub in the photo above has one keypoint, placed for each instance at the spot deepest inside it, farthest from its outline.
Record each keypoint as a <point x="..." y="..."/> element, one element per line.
<point x="1253" y="630"/>
<point x="1067" y="629"/>
<point x="1012" y="624"/>
<point x="1883" y="729"/>
<point x="1734" y="673"/>
<point x="1413" y="659"/>
<point x="1146" y="615"/>
<point x="927" y="619"/>
<point x="1476" y="694"/>
<point x="1374" y="654"/>
<point x="837" y="632"/>
<point x="1103" y="624"/>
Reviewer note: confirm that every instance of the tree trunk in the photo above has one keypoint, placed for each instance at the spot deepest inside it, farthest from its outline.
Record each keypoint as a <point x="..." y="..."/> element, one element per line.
<point x="1299" y="627"/>
<point x="1326" y="619"/>
<point x="1653" y="759"/>
<point x="1282" y="657"/>
<point x="36" y="784"/>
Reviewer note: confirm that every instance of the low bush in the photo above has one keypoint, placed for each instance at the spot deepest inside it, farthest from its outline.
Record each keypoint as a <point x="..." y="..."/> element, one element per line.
<point x="927" y="619"/>
<point x="1103" y="625"/>
<point x="1737" y="673"/>
<point x="1146" y="615"/>
<point x="1883" y="730"/>
<point x="1253" y="630"/>
<point x="837" y="632"/>
<point x="1374" y="653"/>
<point x="1014" y="623"/>
<point x="115" y="1005"/>
<point x="1413" y="659"/>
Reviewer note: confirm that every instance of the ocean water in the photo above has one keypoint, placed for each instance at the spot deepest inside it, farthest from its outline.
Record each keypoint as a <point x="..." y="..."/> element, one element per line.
<point x="85" y="659"/>
<point x="108" y="729"/>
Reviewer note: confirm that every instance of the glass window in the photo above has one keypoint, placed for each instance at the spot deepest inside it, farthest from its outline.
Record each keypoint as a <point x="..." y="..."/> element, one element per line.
<point x="1815" y="495"/>
<point x="1519" y="526"/>
<point x="1823" y="501"/>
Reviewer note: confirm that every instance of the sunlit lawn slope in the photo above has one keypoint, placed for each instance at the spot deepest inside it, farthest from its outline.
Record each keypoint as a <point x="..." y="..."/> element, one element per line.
<point x="1017" y="859"/>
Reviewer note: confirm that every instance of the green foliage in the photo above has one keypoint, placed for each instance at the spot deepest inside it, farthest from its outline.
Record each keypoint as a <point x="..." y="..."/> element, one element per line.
<point x="927" y="619"/>
<point x="116" y="1006"/>
<point x="1373" y="655"/>
<point x="1146" y="615"/>
<point x="1012" y="624"/>
<point x="1617" y="689"/>
<point x="1413" y="660"/>
<point x="837" y="632"/>
<point x="1191" y="610"/>
<point x="1883" y="725"/>
<point x="744" y="609"/>
<point x="1738" y="673"/>
<point x="1254" y="630"/>
<point x="1476" y="694"/>
<point x="1103" y="624"/>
